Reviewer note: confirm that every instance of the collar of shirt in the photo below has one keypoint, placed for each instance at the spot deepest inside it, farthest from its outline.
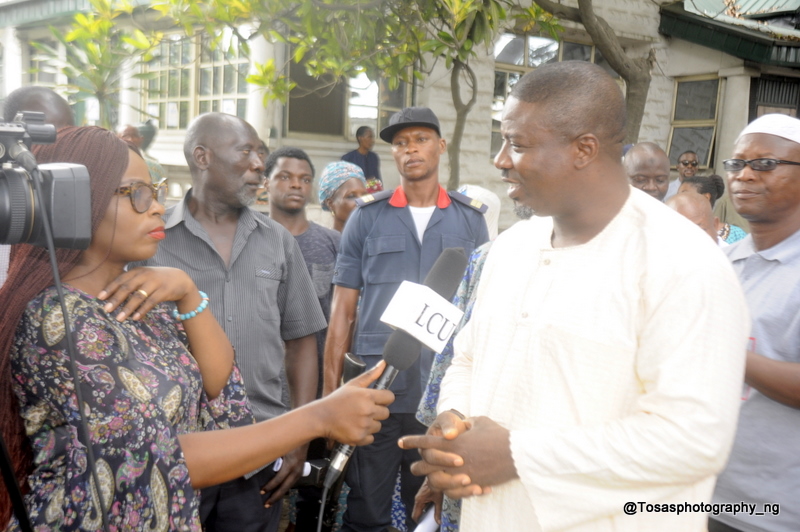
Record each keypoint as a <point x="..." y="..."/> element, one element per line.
<point x="180" y="213"/>
<point x="399" y="198"/>
<point x="786" y="251"/>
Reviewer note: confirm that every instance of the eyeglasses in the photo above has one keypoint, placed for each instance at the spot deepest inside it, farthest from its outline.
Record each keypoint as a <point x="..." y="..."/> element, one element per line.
<point x="689" y="163"/>
<point x="759" y="165"/>
<point x="143" y="194"/>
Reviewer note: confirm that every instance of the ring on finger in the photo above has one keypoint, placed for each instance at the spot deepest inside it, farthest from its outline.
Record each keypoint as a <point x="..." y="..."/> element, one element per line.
<point x="143" y="293"/>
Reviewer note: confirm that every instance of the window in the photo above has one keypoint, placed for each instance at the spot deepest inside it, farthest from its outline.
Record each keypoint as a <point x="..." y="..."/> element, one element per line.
<point x="515" y="55"/>
<point x="694" y="118"/>
<point x="373" y="103"/>
<point x="315" y="105"/>
<point x="188" y="79"/>
<point x="775" y="94"/>
<point x="223" y="79"/>
<point x="42" y="71"/>
<point x="323" y="106"/>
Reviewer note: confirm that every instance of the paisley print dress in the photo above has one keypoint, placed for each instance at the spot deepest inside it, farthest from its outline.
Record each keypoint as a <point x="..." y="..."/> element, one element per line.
<point x="141" y="388"/>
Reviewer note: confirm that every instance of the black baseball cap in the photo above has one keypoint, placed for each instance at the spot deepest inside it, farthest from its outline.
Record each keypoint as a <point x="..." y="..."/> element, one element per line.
<point x="408" y="117"/>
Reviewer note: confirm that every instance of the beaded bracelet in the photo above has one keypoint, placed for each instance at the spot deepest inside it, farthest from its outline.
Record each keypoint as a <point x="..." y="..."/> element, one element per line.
<point x="200" y="308"/>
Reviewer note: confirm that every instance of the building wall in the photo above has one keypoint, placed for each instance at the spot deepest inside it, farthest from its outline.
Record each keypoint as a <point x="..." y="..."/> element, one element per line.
<point x="634" y="21"/>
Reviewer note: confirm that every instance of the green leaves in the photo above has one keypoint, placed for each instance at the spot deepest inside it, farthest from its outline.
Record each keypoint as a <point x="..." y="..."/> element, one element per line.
<point x="535" y="17"/>
<point x="96" y="51"/>
<point x="275" y="85"/>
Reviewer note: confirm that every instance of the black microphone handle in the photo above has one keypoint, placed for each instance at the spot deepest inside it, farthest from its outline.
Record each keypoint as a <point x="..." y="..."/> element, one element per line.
<point x="387" y="378"/>
<point x="343" y="452"/>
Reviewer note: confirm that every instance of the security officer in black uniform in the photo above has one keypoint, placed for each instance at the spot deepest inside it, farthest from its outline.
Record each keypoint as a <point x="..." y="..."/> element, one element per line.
<point x="393" y="236"/>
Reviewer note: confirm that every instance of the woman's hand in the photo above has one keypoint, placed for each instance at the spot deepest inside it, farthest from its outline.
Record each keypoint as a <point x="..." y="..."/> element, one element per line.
<point x="352" y="414"/>
<point x="137" y="291"/>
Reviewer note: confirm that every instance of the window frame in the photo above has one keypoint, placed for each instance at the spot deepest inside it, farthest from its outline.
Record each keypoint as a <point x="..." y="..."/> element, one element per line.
<point x="408" y="98"/>
<point x="675" y="124"/>
<point x="510" y="68"/>
<point x="348" y="131"/>
<point x="194" y="64"/>
<point x="50" y="69"/>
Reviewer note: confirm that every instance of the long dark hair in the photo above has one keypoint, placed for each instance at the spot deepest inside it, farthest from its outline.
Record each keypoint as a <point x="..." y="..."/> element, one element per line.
<point x="106" y="158"/>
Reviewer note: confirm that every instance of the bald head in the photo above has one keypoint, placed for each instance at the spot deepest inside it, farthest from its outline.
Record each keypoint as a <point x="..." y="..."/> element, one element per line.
<point x="209" y="130"/>
<point x="579" y="98"/>
<point x="647" y="166"/>
<point x="40" y="99"/>
<point x="697" y="209"/>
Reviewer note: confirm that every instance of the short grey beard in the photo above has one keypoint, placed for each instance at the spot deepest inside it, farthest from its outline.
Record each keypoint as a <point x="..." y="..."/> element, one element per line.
<point x="246" y="197"/>
<point x="523" y="212"/>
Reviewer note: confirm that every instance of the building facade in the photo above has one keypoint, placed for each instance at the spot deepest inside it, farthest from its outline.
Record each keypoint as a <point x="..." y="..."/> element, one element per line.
<point x="717" y="66"/>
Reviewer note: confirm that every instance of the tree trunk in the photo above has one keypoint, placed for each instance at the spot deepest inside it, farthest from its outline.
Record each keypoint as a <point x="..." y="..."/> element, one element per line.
<point x="103" y="108"/>
<point x="635" y="71"/>
<point x="462" y="111"/>
<point x="636" y="91"/>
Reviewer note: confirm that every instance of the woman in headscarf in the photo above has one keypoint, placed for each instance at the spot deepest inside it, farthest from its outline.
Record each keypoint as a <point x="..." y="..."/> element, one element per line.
<point x="340" y="185"/>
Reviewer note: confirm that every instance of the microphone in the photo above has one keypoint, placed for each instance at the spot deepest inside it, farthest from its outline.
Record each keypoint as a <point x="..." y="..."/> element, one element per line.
<point x="400" y="352"/>
<point x="402" y="349"/>
<point x="446" y="273"/>
<point x="425" y="311"/>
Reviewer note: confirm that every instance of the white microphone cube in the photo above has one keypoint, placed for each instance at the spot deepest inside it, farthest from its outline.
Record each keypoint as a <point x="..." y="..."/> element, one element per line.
<point x="424" y="314"/>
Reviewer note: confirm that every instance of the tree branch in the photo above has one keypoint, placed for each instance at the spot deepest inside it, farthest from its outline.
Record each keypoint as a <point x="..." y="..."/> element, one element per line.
<point x="606" y="40"/>
<point x="560" y="10"/>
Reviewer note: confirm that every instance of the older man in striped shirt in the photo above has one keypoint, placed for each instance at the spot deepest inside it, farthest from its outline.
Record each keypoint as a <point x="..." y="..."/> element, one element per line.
<point x="260" y="292"/>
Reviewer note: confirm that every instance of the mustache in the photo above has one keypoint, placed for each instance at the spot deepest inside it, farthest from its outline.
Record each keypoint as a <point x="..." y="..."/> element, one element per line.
<point x="504" y="173"/>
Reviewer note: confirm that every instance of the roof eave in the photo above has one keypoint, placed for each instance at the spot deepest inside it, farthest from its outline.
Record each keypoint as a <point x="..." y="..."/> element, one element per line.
<point x="734" y="40"/>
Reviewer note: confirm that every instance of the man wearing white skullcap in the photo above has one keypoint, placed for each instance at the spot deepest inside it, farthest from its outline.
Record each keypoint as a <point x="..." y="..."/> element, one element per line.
<point x="764" y="466"/>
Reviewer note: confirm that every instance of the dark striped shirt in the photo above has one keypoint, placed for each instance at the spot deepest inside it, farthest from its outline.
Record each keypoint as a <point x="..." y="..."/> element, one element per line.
<point x="264" y="298"/>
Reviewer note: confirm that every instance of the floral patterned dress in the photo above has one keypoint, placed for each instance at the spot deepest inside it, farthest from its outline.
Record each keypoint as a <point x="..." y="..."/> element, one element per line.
<point x="142" y="388"/>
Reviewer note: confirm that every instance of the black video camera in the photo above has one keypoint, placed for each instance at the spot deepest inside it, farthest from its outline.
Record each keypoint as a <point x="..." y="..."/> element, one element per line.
<point x="65" y="187"/>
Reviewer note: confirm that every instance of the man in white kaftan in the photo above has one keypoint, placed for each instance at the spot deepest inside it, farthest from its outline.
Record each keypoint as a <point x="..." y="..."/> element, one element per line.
<point x="604" y="359"/>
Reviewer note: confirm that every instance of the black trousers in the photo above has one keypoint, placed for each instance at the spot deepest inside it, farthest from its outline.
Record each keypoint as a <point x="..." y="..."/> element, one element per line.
<point x="238" y="506"/>
<point x="372" y="474"/>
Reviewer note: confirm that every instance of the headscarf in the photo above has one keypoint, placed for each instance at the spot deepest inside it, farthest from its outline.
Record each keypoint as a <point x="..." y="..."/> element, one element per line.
<point x="106" y="158"/>
<point x="334" y="176"/>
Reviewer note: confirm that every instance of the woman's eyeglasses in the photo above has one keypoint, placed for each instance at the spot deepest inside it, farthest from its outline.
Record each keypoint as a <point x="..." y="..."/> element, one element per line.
<point x="759" y="165"/>
<point x="689" y="163"/>
<point x="143" y="194"/>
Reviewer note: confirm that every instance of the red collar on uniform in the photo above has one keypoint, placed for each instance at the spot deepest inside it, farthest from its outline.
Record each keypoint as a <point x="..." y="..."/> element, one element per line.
<point x="399" y="198"/>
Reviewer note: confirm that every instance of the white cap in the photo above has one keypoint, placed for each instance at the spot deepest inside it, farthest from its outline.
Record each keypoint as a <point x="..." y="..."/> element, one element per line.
<point x="491" y="200"/>
<point x="775" y="124"/>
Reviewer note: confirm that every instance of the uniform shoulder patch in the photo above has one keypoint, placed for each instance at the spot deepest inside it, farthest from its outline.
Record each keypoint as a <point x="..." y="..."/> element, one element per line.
<point x="366" y="199"/>
<point x="479" y="206"/>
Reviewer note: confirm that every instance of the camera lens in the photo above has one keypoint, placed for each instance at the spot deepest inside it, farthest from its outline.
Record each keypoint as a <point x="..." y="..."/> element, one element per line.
<point x="16" y="206"/>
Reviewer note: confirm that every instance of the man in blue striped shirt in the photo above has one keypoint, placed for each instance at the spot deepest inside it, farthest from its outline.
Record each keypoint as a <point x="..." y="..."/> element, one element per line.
<point x="260" y="292"/>
<point x="764" y="466"/>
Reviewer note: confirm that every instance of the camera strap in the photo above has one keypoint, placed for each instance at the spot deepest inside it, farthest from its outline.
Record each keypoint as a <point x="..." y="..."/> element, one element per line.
<point x="14" y="492"/>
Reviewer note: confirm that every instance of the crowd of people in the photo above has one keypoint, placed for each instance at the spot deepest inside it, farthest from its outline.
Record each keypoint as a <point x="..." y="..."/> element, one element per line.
<point x="613" y="370"/>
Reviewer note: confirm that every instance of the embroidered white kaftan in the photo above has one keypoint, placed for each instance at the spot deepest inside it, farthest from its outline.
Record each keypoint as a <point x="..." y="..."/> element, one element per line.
<point x="617" y="365"/>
